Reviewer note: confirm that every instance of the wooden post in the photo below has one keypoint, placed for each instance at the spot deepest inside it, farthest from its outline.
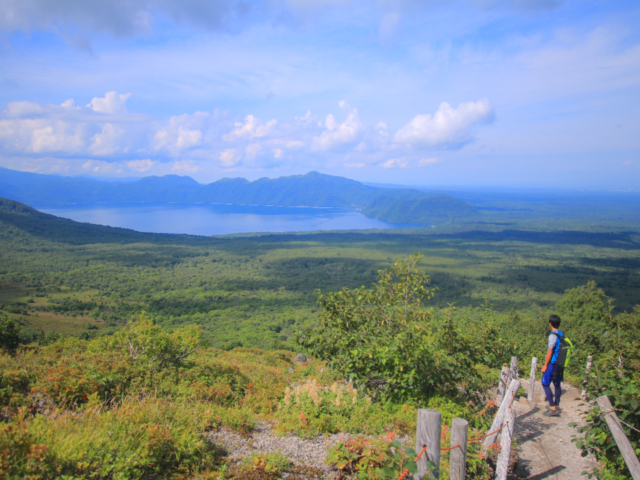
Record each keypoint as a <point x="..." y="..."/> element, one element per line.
<point x="458" y="456"/>
<point x="514" y="368"/>
<point x="499" y="418"/>
<point x="532" y="378"/>
<point x="633" y="464"/>
<point x="502" y="466"/>
<point x="428" y="433"/>
<point x="583" y="395"/>
<point x="502" y="386"/>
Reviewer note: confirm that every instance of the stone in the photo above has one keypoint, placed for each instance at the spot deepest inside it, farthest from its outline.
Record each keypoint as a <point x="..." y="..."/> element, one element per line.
<point x="300" y="358"/>
<point x="291" y="370"/>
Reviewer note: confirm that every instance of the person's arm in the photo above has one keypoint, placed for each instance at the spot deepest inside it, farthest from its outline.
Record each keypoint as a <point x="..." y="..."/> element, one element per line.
<point x="547" y="359"/>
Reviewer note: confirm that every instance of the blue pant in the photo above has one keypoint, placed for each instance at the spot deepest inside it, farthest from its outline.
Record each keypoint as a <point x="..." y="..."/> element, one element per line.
<point x="553" y="374"/>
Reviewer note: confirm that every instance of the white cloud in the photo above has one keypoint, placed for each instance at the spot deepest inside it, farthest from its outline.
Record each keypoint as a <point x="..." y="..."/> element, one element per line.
<point x="395" y="163"/>
<point x="107" y="142"/>
<point x="294" y="144"/>
<point x="251" y="128"/>
<point x="427" y="161"/>
<point x="24" y="109"/>
<point x="447" y="127"/>
<point x="252" y="150"/>
<point x="58" y="136"/>
<point x="229" y="158"/>
<point x="277" y="153"/>
<point x="382" y="129"/>
<point x="185" y="166"/>
<point x="182" y="132"/>
<point x="337" y="135"/>
<point x="141" y="165"/>
<point x="112" y="102"/>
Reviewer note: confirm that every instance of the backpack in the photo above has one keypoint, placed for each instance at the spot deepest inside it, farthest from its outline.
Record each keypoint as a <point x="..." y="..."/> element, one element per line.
<point x="565" y="351"/>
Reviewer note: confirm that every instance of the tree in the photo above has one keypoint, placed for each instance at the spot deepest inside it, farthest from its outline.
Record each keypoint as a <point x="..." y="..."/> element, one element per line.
<point x="386" y="339"/>
<point x="9" y="334"/>
<point x="586" y="313"/>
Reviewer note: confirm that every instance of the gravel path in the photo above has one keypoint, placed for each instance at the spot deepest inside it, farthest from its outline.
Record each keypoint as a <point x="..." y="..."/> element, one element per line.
<point x="544" y="443"/>
<point x="310" y="452"/>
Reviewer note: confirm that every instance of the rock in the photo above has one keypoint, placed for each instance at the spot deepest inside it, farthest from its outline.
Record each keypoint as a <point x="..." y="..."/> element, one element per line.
<point x="300" y="358"/>
<point x="291" y="370"/>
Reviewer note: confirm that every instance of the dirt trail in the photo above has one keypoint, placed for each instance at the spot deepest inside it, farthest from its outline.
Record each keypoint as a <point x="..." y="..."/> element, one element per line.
<point x="544" y="443"/>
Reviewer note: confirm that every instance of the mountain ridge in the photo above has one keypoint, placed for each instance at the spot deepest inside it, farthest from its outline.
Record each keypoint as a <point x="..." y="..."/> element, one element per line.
<point x="313" y="189"/>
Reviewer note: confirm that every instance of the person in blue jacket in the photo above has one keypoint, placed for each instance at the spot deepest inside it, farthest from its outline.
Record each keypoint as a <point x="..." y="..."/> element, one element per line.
<point x="551" y="371"/>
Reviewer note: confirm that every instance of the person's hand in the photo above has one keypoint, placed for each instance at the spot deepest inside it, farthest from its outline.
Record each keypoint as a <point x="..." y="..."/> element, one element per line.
<point x="544" y="368"/>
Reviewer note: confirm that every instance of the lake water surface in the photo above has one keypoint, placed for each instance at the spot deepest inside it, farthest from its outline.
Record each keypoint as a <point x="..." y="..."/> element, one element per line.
<point x="201" y="219"/>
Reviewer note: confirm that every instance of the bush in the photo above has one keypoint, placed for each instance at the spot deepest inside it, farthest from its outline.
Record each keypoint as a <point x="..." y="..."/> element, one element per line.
<point x="376" y="459"/>
<point x="615" y="373"/>
<point x="132" y="440"/>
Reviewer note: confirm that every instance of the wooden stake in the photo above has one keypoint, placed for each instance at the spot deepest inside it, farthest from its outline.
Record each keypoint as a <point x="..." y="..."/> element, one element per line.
<point x="458" y="456"/>
<point x="502" y="386"/>
<point x="507" y="433"/>
<point x="583" y="395"/>
<point x="633" y="464"/>
<point x="428" y="433"/>
<point x="514" y="367"/>
<point x="498" y="421"/>
<point x="532" y="378"/>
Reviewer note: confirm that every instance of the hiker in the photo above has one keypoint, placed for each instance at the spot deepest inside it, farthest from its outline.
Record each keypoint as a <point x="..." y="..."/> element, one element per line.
<point x="553" y="370"/>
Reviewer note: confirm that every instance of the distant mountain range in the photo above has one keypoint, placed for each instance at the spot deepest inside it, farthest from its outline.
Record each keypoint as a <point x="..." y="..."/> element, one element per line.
<point x="313" y="189"/>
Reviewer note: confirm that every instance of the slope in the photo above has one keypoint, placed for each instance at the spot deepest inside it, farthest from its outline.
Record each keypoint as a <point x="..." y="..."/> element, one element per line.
<point x="422" y="211"/>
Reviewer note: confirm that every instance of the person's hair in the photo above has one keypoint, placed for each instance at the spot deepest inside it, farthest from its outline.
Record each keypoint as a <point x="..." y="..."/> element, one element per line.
<point x="554" y="320"/>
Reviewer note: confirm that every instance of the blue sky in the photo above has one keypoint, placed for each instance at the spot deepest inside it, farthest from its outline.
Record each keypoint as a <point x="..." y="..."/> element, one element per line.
<point x="521" y="93"/>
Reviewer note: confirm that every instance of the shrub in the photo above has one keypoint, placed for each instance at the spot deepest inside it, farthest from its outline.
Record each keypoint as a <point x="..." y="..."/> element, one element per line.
<point x="375" y="459"/>
<point x="135" y="439"/>
<point x="615" y="373"/>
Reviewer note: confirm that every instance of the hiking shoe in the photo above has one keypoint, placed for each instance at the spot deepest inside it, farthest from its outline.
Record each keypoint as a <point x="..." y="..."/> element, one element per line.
<point x="549" y="408"/>
<point x="552" y="413"/>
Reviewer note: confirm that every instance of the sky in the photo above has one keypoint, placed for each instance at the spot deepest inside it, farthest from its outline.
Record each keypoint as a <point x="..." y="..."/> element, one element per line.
<point x="504" y="93"/>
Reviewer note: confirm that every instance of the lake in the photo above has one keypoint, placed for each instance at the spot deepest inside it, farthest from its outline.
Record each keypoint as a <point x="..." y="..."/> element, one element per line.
<point x="201" y="219"/>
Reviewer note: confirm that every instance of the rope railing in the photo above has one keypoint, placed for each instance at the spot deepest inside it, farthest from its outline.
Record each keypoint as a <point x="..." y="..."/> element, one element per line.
<point x="406" y="472"/>
<point x="488" y="434"/>
<point x="429" y="431"/>
<point x="424" y="449"/>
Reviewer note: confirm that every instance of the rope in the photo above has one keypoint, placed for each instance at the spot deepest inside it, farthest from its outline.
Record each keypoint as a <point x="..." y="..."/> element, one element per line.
<point x="449" y="448"/>
<point x="406" y="472"/>
<point x="613" y="410"/>
<point x="485" y="436"/>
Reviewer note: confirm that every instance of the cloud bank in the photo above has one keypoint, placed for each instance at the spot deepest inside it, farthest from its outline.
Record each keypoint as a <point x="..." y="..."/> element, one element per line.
<point x="105" y="132"/>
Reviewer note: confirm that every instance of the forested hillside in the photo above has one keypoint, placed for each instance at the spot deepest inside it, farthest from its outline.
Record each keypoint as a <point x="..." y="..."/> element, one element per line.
<point x="431" y="210"/>
<point x="62" y="275"/>
<point x="142" y="336"/>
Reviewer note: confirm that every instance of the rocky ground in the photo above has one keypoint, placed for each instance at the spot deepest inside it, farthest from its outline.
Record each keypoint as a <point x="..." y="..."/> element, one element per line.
<point x="308" y="452"/>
